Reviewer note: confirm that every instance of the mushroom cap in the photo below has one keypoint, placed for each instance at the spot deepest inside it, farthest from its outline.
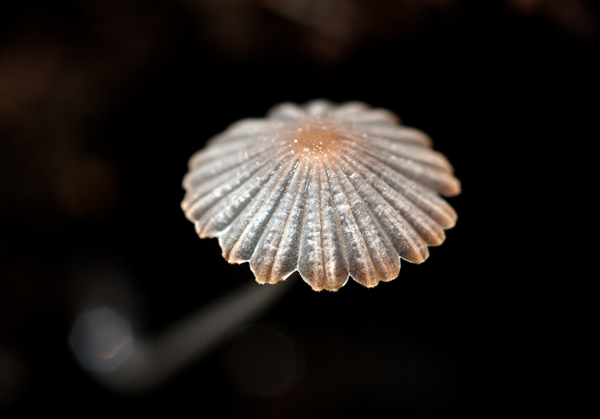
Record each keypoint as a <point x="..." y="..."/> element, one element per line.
<point x="330" y="191"/>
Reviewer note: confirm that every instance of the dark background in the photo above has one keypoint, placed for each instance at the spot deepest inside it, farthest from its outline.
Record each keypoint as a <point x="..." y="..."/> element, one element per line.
<point x="103" y="102"/>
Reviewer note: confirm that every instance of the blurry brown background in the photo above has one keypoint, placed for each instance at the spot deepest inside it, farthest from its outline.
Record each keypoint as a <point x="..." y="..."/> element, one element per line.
<point x="103" y="101"/>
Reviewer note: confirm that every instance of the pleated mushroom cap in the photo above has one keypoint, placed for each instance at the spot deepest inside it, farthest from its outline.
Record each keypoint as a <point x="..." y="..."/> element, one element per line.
<point x="328" y="191"/>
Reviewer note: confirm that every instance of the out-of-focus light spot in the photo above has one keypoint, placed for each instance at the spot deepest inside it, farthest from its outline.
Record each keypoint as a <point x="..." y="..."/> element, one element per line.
<point x="263" y="361"/>
<point x="101" y="340"/>
<point x="28" y="70"/>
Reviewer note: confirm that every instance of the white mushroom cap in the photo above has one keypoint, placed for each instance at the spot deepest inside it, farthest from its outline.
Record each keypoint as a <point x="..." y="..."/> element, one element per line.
<point x="328" y="191"/>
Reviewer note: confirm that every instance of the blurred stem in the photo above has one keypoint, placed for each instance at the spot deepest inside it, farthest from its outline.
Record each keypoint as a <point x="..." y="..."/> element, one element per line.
<point x="154" y="361"/>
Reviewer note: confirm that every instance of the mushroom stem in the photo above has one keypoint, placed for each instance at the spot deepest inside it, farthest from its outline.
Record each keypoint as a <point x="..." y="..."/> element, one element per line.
<point x="150" y="362"/>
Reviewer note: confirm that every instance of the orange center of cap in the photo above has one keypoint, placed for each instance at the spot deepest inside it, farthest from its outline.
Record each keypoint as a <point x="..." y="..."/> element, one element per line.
<point x="316" y="139"/>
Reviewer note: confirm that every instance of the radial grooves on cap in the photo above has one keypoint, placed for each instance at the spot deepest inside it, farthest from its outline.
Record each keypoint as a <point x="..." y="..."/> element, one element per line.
<point x="241" y="144"/>
<point x="253" y="127"/>
<point x="310" y="263"/>
<point x="332" y="243"/>
<point x="439" y="180"/>
<point x="395" y="133"/>
<point x="421" y="196"/>
<point x="420" y="154"/>
<point x="229" y="206"/>
<point x="239" y="239"/>
<point x="224" y="150"/>
<point x="384" y="257"/>
<point x="211" y="175"/>
<point x="427" y="228"/>
<point x="206" y="202"/>
<point x="260" y="212"/>
<point x="407" y="242"/>
<point x="288" y="253"/>
<point x="427" y="178"/>
<point x="199" y="200"/>
<point x="228" y="144"/>
<point x="360" y="260"/>
<point x="265" y="260"/>
<point x="375" y="117"/>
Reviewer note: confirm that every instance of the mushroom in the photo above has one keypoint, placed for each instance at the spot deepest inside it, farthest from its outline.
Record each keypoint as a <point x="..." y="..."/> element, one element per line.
<point x="328" y="191"/>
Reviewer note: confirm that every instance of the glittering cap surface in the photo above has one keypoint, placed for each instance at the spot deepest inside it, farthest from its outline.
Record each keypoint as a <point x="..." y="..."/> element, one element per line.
<point x="329" y="191"/>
